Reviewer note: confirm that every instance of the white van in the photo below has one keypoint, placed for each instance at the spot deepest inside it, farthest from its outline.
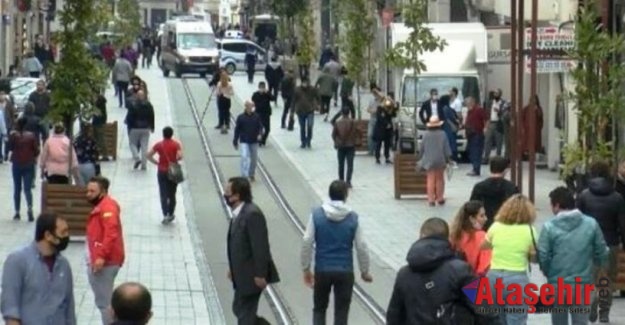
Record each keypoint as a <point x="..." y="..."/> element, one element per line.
<point x="188" y="47"/>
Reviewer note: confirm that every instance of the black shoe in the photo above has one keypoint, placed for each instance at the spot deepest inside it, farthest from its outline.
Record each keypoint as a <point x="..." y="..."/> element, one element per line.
<point x="441" y="202"/>
<point x="31" y="217"/>
<point x="302" y="146"/>
<point x="16" y="217"/>
<point x="377" y="161"/>
<point x="218" y="127"/>
<point x="389" y="162"/>
<point x="137" y="164"/>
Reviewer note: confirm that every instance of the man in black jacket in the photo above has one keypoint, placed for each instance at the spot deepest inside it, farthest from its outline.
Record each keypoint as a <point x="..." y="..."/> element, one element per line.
<point x="251" y="266"/>
<point x="495" y="190"/>
<point x="140" y="121"/>
<point x="603" y="203"/>
<point x="262" y="101"/>
<point x="432" y="280"/>
<point x="431" y="108"/>
<point x="274" y="75"/>
<point x="248" y="130"/>
<point x="287" y="88"/>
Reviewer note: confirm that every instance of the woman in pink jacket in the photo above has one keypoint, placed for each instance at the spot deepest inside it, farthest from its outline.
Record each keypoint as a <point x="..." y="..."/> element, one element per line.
<point x="467" y="236"/>
<point x="55" y="158"/>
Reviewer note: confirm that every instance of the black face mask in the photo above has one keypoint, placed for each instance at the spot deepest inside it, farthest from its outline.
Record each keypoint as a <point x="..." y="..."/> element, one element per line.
<point x="62" y="244"/>
<point x="228" y="202"/>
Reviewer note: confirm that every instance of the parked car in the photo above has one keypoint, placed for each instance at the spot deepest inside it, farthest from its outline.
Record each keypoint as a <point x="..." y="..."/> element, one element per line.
<point x="21" y="88"/>
<point x="232" y="55"/>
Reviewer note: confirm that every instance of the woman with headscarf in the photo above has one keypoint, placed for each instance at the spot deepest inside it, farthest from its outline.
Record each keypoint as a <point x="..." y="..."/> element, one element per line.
<point x="435" y="152"/>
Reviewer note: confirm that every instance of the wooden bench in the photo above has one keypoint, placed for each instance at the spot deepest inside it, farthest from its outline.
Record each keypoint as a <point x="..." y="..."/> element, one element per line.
<point x="110" y="139"/>
<point x="68" y="201"/>
<point x="407" y="180"/>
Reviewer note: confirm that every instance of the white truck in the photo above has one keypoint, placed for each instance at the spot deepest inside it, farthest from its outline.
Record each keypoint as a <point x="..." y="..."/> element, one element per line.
<point x="461" y="64"/>
<point x="189" y="46"/>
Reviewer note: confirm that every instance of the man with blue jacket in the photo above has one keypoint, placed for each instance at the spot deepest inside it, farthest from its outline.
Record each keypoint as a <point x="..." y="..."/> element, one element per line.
<point x="570" y="247"/>
<point x="334" y="228"/>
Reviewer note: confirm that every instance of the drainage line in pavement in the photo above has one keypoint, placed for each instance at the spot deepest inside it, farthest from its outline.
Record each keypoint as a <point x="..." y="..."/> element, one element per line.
<point x="275" y="300"/>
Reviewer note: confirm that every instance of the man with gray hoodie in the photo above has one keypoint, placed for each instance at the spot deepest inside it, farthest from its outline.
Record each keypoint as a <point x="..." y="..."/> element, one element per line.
<point x="334" y="228"/>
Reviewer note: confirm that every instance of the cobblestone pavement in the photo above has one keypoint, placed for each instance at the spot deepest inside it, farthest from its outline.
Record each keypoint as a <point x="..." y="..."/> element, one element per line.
<point x="161" y="257"/>
<point x="390" y="225"/>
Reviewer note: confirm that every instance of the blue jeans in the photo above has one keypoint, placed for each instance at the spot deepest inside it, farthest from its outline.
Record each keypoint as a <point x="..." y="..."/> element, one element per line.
<point x="86" y="171"/>
<point x="306" y="123"/>
<point x="475" y="146"/>
<point x="507" y="278"/>
<point x="558" y="318"/>
<point x="23" y="179"/>
<point x="453" y="142"/>
<point x="249" y="156"/>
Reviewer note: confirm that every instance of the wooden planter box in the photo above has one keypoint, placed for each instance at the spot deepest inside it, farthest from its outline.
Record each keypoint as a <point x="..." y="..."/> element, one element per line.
<point x="407" y="180"/>
<point x="620" y="277"/>
<point x="110" y="139"/>
<point x="363" y="126"/>
<point x="68" y="201"/>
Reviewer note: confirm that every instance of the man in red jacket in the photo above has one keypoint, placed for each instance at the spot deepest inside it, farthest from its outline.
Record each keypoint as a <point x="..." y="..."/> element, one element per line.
<point x="105" y="244"/>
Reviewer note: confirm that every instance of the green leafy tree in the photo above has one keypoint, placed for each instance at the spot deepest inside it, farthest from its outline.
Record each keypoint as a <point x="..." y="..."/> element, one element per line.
<point x="358" y="32"/>
<point x="598" y="96"/>
<point x="128" y="22"/>
<point x="77" y="75"/>
<point x="306" y="47"/>
<point x="407" y="54"/>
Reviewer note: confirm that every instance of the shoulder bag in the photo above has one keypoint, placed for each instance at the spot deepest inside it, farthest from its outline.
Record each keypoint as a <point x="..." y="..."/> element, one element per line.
<point x="174" y="171"/>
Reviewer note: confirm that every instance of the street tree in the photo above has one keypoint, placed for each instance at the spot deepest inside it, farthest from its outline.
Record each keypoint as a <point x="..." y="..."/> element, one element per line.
<point x="77" y="75"/>
<point x="306" y="47"/>
<point x="597" y="96"/>
<point x="407" y="54"/>
<point x="127" y="22"/>
<point x="287" y="10"/>
<point x="358" y="31"/>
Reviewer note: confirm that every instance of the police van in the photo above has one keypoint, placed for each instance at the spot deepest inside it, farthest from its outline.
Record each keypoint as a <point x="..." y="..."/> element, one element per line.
<point x="188" y="46"/>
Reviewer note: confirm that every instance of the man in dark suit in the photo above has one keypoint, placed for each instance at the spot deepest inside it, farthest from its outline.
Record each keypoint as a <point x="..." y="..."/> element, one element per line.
<point x="249" y="256"/>
<point x="431" y="107"/>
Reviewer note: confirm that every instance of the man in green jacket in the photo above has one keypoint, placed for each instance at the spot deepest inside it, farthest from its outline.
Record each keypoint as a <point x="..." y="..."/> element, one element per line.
<point x="570" y="248"/>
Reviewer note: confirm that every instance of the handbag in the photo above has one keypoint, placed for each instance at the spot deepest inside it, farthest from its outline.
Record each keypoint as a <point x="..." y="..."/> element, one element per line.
<point x="174" y="172"/>
<point x="540" y="306"/>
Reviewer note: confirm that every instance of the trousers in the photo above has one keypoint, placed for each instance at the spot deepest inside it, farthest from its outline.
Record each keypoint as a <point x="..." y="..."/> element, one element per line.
<point x="167" y="190"/>
<point x="102" y="285"/>
<point x="245" y="308"/>
<point x="139" y="139"/>
<point x="435" y="180"/>
<point x="249" y="158"/>
<point x="346" y="155"/>
<point x="342" y="283"/>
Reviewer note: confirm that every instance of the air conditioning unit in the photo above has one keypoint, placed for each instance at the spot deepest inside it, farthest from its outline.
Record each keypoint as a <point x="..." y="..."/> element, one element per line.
<point x="484" y="5"/>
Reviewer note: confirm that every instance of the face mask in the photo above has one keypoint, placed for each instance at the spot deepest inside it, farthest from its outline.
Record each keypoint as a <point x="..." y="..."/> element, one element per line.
<point x="62" y="244"/>
<point x="227" y="199"/>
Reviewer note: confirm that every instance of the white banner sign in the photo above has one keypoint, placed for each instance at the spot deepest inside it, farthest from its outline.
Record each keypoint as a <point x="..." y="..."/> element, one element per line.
<point x="550" y="66"/>
<point x="549" y="38"/>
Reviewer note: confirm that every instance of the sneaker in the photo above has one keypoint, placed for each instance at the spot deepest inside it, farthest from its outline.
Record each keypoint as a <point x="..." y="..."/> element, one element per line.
<point x="389" y="162"/>
<point x="16" y="217"/>
<point x="137" y="164"/>
<point x="377" y="161"/>
<point x="166" y="220"/>
<point x="31" y="217"/>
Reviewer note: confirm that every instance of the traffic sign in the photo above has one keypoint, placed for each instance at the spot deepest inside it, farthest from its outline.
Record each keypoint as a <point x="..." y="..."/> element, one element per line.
<point x="550" y="38"/>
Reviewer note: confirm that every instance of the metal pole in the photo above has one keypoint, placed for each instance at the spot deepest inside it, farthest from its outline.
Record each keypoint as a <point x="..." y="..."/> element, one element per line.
<point x="512" y="151"/>
<point x="532" y="109"/>
<point x="520" y="137"/>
